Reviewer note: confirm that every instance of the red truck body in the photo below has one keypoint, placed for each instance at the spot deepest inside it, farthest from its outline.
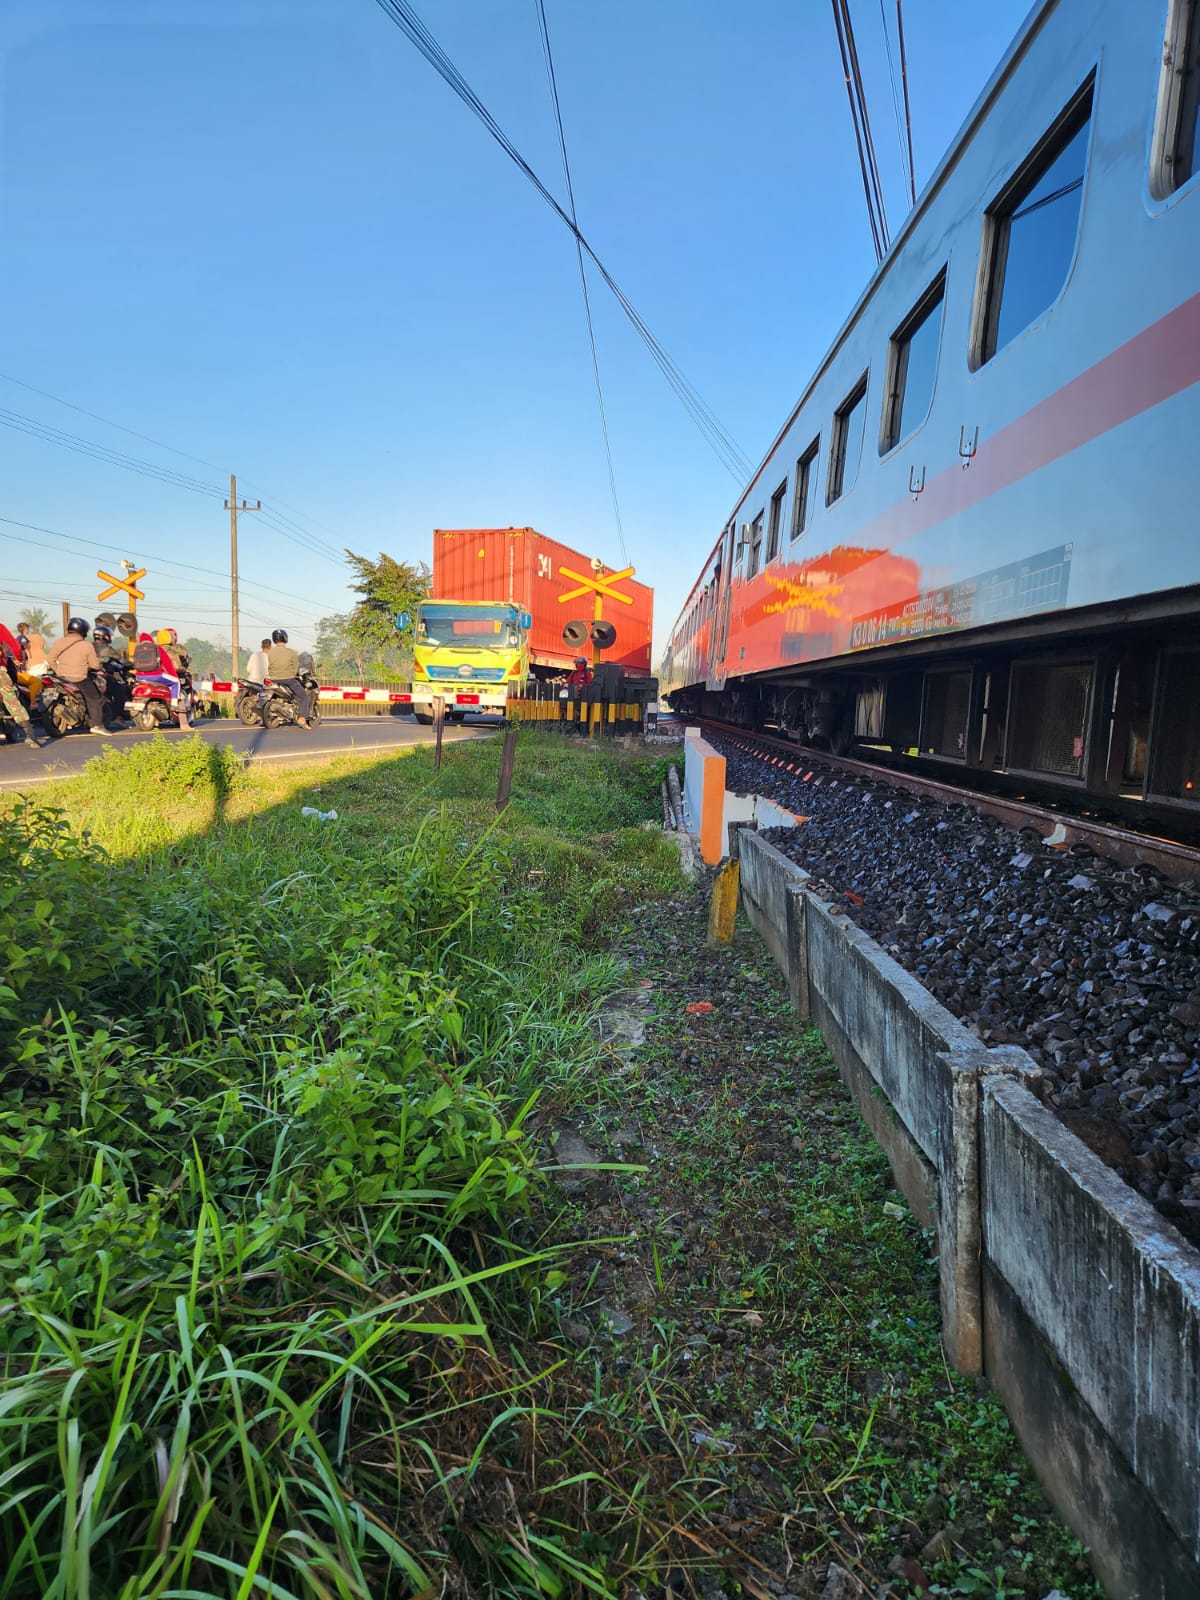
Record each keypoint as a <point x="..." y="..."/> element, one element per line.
<point x="522" y="565"/>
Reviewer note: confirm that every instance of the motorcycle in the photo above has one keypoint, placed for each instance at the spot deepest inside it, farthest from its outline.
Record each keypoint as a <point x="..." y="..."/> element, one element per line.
<point x="116" y="689"/>
<point x="273" y="705"/>
<point x="61" y="705"/>
<point x="153" y="706"/>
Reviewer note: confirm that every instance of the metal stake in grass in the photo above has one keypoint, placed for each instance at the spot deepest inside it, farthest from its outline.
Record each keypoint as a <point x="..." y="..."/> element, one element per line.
<point x="723" y="910"/>
<point x="439" y="723"/>
<point x="508" y="758"/>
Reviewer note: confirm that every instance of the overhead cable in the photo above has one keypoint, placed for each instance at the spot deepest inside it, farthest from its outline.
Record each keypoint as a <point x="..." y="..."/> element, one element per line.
<point x="335" y="553"/>
<point x="896" y="112"/>
<point x="720" y="442"/>
<point x="867" y="161"/>
<point x="587" y="305"/>
<point x="912" y="170"/>
<point x="159" y="561"/>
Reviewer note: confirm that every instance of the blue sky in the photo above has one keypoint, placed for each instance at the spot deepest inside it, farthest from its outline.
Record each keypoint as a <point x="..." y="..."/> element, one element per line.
<point x="268" y="235"/>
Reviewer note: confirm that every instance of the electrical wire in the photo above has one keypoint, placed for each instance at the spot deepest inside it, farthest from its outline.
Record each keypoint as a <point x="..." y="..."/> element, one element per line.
<point x="333" y="553"/>
<point x="114" y="458"/>
<point x="912" y="171"/>
<point x="587" y="306"/>
<point x="856" y="94"/>
<point x="160" y="561"/>
<point x="727" y="451"/>
<point x="887" y="45"/>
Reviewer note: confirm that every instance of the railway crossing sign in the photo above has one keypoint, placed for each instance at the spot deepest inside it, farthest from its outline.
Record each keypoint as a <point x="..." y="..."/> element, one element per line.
<point x="603" y="634"/>
<point x="126" y="585"/>
<point x="593" y="583"/>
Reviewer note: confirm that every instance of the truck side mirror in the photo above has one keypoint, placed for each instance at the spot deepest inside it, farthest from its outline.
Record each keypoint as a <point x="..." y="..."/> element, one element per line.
<point x="403" y="621"/>
<point x="526" y="620"/>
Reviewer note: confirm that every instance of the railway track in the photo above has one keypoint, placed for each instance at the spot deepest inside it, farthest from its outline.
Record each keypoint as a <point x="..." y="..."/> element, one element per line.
<point x="1175" y="861"/>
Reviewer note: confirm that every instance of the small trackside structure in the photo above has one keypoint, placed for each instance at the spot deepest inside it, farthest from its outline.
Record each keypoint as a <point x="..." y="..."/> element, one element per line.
<point x="1062" y="1285"/>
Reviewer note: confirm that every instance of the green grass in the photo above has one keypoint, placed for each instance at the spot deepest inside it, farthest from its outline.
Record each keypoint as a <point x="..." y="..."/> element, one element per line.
<point x="264" y="1158"/>
<point x="288" y="1304"/>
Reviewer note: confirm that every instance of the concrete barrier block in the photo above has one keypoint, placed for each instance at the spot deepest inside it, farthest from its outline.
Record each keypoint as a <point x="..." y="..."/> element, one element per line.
<point x="1092" y="1335"/>
<point x="704" y="796"/>
<point x="767" y="877"/>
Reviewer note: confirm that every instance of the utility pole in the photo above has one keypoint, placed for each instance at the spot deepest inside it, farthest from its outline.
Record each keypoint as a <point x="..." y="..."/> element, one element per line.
<point x="231" y="505"/>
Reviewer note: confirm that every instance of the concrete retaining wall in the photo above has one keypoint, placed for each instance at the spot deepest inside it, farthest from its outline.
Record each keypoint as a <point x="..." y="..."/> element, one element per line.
<point x="1059" y="1282"/>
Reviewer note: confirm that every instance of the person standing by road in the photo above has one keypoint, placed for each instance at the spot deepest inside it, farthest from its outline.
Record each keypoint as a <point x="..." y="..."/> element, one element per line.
<point x="256" y="667"/>
<point x="33" y="648"/>
<point x="74" y="658"/>
<point x="283" y="666"/>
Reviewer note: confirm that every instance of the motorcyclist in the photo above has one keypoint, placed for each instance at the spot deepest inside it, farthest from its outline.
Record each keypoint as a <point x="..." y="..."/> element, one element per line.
<point x="580" y="676"/>
<point x="116" y="694"/>
<point x="74" y="659"/>
<point x="11" y="707"/>
<point x="283" y="666"/>
<point x="152" y="648"/>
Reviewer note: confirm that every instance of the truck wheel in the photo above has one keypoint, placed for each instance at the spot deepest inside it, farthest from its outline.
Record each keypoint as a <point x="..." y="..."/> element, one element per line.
<point x="425" y="718"/>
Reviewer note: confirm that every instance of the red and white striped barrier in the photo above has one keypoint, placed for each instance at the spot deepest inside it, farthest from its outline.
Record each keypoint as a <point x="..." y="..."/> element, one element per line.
<point x="329" y="691"/>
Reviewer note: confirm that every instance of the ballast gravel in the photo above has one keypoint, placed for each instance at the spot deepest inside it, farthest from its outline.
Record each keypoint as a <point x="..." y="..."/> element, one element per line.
<point x="1092" y="967"/>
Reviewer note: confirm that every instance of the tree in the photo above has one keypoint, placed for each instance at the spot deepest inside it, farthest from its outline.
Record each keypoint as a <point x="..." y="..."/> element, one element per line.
<point x="37" y="617"/>
<point x="206" y="657"/>
<point x="336" y="653"/>
<point x="387" y="586"/>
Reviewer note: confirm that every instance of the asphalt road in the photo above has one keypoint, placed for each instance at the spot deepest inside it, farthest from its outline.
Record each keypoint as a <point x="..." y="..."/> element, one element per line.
<point x="23" y="765"/>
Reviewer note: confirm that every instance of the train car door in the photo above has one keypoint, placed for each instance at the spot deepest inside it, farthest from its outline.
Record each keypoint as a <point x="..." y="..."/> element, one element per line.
<point x="724" y="601"/>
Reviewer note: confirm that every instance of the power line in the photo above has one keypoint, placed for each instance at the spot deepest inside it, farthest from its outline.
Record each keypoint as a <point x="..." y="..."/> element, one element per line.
<point x="89" y="447"/>
<point x="587" y="305"/>
<point x="159" y="444"/>
<point x="159" y="561"/>
<point x="705" y="419"/>
<point x="856" y="93"/>
<point x="887" y="45"/>
<point x="912" y="171"/>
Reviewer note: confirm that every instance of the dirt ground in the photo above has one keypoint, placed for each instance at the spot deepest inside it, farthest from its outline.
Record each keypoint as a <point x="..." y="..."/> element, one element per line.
<point x="760" y="1311"/>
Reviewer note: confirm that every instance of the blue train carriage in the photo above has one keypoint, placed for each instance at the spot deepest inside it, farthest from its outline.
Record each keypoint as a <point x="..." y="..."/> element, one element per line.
<point x="977" y="538"/>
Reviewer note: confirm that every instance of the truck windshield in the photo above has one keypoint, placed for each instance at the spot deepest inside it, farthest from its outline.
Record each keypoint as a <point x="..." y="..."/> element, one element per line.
<point x="458" y="625"/>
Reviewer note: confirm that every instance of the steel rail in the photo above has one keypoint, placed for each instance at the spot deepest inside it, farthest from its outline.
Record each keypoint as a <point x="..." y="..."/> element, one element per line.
<point x="1179" y="863"/>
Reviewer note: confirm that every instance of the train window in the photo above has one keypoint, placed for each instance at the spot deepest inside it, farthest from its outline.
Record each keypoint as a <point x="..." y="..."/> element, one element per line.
<point x="848" y="422"/>
<point x="912" y="367"/>
<point x="805" y="502"/>
<point x="1030" y="231"/>
<point x="1177" y="127"/>
<point x="773" y="526"/>
<point x="756" y="536"/>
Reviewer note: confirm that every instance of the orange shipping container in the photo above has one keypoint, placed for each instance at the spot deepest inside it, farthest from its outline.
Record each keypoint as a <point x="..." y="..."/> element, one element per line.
<point x="522" y="565"/>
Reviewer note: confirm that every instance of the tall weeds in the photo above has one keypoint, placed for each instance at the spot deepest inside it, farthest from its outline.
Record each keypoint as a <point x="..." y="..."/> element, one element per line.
<point x="263" y="1160"/>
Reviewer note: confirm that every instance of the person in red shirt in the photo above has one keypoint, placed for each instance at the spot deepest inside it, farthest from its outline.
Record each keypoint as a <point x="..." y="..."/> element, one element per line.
<point x="581" y="677"/>
<point x="11" y="708"/>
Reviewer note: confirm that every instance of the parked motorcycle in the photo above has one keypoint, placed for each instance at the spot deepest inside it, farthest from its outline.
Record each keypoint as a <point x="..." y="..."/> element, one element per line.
<point x="153" y="707"/>
<point x="273" y="705"/>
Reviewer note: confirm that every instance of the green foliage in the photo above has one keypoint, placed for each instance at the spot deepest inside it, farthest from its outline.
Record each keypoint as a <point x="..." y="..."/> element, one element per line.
<point x="264" y="1171"/>
<point x="335" y="653"/>
<point x="38" y="619"/>
<point x="387" y="586"/>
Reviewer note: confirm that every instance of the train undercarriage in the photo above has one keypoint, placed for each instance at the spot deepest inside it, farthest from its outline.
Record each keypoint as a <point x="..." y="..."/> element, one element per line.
<point x="1105" y="710"/>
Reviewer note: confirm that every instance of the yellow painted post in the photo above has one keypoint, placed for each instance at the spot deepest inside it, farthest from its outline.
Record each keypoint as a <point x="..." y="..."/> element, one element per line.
<point x="723" y="909"/>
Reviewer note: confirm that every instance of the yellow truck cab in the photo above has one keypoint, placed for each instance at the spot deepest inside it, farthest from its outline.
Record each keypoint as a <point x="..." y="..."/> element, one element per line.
<point x="470" y="653"/>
